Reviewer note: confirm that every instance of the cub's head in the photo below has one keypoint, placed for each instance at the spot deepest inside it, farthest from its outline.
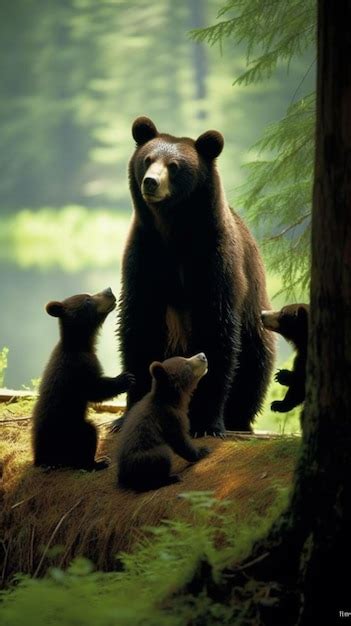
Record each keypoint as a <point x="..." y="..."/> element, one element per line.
<point x="178" y="375"/>
<point x="83" y="314"/>
<point x="291" y="322"/>
<point x="167" y="169"/>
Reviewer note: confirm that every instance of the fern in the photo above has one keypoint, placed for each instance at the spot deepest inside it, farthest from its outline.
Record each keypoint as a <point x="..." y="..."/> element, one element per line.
<point x="277" y="194"/>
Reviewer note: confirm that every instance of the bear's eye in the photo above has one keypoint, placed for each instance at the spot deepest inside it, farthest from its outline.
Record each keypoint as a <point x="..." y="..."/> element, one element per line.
<point x="147" y="161"/>
<point x="173" y="167"/>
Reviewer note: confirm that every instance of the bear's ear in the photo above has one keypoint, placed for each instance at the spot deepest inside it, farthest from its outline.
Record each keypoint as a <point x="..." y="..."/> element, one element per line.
<point x="143" y="130"/>
<point x="54" y="308"/>
<point x="302" y="313"/>
<point x="210" y="144"/>
<point x="157" y="371"/>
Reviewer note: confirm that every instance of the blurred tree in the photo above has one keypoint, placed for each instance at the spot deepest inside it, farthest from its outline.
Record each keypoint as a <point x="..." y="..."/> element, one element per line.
<point x="76" y="72"/>
<point x="278" y="190"/>
<point x="44" y="141"/>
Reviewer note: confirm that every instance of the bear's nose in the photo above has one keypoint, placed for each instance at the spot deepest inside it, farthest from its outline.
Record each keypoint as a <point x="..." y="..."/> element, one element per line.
<point x="202" y="356"/>
<point x="150" y="184"/>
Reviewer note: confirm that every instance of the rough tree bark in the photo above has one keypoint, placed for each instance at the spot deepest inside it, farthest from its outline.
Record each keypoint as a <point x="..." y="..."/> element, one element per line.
<point x="322" y="498"/>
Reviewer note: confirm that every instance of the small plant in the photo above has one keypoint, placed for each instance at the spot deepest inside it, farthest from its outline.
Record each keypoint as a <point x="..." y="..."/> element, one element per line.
<point x="3" y="364"/>
<point x="33" y="385"/>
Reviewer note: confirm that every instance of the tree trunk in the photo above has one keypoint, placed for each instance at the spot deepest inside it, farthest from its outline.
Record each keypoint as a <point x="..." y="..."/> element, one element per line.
<point x="322" y="496"/>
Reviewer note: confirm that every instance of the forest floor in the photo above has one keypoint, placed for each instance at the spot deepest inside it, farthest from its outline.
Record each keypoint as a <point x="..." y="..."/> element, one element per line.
<point x="50" y="517"/>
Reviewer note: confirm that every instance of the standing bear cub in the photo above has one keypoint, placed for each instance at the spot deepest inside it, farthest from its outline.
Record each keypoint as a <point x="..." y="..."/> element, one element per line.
<point x="158" y="424"/>
<point x="73" y="377"/>
<point x="193" y="280"/>
<point x="292" y="323"/>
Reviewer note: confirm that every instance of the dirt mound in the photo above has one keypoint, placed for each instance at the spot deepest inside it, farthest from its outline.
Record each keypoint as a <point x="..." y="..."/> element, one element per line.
<point x="85" y="514"/>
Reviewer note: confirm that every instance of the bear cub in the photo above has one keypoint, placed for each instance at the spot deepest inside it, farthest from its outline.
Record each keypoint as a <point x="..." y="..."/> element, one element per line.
<point x="61" y="436"/>
<point x="159" y="423"/>
<point x="292" y="323"/>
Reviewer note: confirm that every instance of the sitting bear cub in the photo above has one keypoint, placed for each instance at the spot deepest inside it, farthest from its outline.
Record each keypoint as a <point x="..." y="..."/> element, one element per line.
<point x="72" y="378"/>
<point x="159" y="423"/>
<point x="292" y="323"/>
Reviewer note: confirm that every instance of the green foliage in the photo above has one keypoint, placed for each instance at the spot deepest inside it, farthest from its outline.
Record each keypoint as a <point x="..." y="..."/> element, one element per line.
<point x="3" y="364"/>
<point x="278" y="191"/>
<point x="33" y="385"/>
<point x="151" y="589"/>
<point x="273" y="32"/>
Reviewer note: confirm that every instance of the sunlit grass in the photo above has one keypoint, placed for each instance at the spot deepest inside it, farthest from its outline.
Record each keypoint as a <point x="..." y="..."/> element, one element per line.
<point x="72" y="238"/>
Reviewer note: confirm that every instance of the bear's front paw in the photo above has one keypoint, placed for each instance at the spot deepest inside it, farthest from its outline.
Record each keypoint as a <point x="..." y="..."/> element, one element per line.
<point x="203" y="452"/>
<point x="211" y="431"/>
<point x="283" y="377"/>
<point x="125" y="381"/>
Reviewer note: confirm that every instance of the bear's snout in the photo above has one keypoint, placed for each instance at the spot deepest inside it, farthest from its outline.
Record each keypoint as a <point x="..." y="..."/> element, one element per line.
<point x="150" y="184"/>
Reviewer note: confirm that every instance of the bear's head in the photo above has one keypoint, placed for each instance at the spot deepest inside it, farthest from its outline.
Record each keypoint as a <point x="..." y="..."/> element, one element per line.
<point x="81" y="316"/>
<point x="177" y="378"/>
<point x="167" y="169"/>
<point x="291" y="321"/>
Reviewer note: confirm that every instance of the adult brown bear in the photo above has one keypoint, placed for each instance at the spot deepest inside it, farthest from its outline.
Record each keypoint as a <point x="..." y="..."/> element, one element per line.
<point x="193" y="280"/>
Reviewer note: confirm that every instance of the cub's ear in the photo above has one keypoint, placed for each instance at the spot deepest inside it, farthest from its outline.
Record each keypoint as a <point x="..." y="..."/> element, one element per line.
<point x="302" y="312"/>
<point x="143" y="130"/>
<point x="157" y="371"/>
<point x="54" y="308"/>
<point x="210" y="144"/>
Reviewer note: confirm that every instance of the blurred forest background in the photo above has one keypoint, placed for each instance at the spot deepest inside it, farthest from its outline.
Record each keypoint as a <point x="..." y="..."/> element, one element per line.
<point x="75" y="73"/>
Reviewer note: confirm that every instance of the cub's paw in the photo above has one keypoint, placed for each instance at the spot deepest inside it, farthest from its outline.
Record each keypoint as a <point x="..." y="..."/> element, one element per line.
<point x="125" y="381"/>
<point x="203" y="452"/>
<point x="283" y="377"/>
<point x="101" y="463"/>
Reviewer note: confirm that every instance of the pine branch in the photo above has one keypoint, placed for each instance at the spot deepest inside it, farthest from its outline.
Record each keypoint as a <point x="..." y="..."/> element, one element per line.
<point x="290" y="227"/>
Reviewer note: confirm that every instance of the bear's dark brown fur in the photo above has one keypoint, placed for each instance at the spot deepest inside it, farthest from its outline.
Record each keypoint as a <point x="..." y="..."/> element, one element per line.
<point x="193" y="280"/>
<point x="159" y="423"/>
<point x="73" y="377"/>
<point x="292" y="323"/>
